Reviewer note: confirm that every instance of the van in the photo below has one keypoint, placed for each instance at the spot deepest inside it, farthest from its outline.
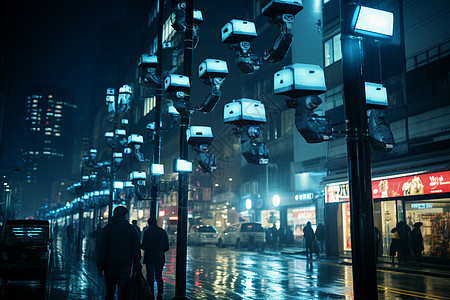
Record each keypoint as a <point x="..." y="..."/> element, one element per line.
<point x="250" y="234"/>
<point x="25" y="251"/>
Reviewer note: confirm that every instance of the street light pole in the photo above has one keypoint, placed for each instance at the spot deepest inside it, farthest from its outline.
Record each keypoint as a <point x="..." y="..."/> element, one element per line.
<point x="183" y="178"/>
<point x="159" y="87"/>
<point x="359" y="166"/>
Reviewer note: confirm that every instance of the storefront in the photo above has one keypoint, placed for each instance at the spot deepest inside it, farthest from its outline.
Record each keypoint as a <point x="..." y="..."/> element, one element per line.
<point x="412" y="198"/>
<point x="298" y="210"/>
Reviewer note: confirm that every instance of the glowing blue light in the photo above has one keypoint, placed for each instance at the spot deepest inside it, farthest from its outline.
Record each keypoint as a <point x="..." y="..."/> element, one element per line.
<point x="374" y="22"/>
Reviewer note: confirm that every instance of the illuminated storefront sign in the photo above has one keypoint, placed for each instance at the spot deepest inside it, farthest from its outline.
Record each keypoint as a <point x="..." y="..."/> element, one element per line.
<point x="421" y="184"/>
<point x="336" y="193"/>
<point x="307" y="196"/>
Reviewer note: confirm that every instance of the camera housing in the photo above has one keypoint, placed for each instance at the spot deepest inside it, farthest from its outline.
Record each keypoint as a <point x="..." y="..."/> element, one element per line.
<point x="376" y="95"/>
<point x="199" y="135"/>
<point x="298" y="80"/>
<point x="212" y="68"/>
<point x="148" y="61"/>
<point x="176" y="82"/>
<point x="274" y="8"/>
<point x="236" y="31"/>
<point x="244" y="111"/>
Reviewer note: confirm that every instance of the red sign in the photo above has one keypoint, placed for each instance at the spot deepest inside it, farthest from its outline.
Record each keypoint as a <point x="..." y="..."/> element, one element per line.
<point x="422" y="184"/>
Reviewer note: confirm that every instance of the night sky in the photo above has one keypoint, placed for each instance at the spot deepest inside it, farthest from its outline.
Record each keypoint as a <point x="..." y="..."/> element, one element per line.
<point x="51" y="42"/>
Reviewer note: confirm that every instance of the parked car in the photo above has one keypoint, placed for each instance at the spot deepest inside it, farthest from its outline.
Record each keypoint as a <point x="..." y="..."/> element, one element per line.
<point x="25" y="251"/>
<point x="203" y="235"/>
<point x="250" y="234"/>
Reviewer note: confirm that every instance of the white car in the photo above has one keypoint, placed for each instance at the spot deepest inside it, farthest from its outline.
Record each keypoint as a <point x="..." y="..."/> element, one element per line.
<point x="203" y="235"/>
<point x="250" y="234"/>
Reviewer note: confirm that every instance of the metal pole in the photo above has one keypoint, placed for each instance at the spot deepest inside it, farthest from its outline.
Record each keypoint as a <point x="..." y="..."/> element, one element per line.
<point x="183" y="178"/>
<point x="159" y="87"/>
<point x="113" y="172"/>
<point x="80" y="212"/>
<point x="359" y="167"/>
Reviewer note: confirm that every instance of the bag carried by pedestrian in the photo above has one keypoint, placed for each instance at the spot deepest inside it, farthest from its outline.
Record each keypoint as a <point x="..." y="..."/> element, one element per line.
<point x="137" y="288"/>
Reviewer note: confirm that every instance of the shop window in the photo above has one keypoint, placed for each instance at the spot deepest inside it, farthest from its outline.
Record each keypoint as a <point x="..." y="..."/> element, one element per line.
<point x="332" y="50"/>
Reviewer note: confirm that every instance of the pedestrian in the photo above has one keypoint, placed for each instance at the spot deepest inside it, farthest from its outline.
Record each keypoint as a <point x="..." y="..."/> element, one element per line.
<point x="377" y="236"/>
<point x="155" y="244"/>
<point x="281" y="236"/>
<point x="138" y="230"/>
<point x="119" y="253"/>
<point x="404" y="249"/>
<point x="274" y="234"/>
<point x="320" y="236"/>
<point x="309" y="237"/>
<point x="417" y="242"/>
<point x="395" y="244"/>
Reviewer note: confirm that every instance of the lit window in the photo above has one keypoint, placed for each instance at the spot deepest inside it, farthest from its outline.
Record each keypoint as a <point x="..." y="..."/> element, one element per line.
<point x="168" y="30"/>
<point x="57" y="134"/>
<point x="332" y="50"/>
<point x="149" y="104"/>
<point x="58" y="106"/>
<point x="58" y="115"/>
<point x="48" y="133"/>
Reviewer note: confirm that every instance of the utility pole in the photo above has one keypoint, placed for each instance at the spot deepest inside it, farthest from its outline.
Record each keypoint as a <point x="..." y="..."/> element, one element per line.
<point x="358" y="155"/>
<point x="183" y="178"/>
<point x="159" y="87"/>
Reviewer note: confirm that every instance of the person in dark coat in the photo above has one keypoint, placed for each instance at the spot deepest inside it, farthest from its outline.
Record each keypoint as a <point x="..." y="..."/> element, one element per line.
<point x="405" y="240"/>
<point x="417" y="241"/>
<point x="138" y="230"/>
<point x="118" y="251"/>
<point x="155" y="244"/>
<point x="395" y="244"/>
<point x="320" y="236"/>
<point x="309" y="236"/>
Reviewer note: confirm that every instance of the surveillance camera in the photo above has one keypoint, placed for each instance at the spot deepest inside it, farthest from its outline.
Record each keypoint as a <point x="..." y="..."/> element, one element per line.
<point x="281" y="14"/>
<point x="298" y="80"/>
<point x="312" y="127"/>
<point x="244" y="111"/>
<point x="138" y="178"/>
<point x="176" y="83"/>
<point x="135" y="140"/>
<point x="236" y="31"/>
<point x="207" y="162"/>
<point x="376" y="95"/>
<point x="212" y="68"/>
<point x="381" y="138"/>
<point x="255" y="152"/>
<point x="148" y="61"/>
<point x="274" y="8"/>
<point x="199" y="135"/>
<point x="198" y="17"/>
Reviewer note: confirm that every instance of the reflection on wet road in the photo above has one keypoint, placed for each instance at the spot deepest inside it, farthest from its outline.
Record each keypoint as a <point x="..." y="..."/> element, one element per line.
<point x="216" y="273"/>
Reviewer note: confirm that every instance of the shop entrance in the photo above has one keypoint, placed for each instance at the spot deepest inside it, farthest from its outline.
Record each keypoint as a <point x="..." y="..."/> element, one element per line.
<point x="385" y="219"/>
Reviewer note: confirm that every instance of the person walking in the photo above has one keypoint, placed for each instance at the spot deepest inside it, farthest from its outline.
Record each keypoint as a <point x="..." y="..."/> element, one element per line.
<point x="119" y="253"/>
<point x="155" y="244"/>
<point x="309" y="237"/>
<point x="138" y="230"/>
<point x="320" y="236"/>
<point x="417" y="242"/>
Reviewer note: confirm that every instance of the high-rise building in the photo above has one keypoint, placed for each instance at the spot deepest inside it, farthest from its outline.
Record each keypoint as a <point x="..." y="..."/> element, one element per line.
<point x="48" y="142"/>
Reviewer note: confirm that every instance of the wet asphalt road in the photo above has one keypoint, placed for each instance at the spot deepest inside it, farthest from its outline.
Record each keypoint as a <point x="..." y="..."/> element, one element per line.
<point x="215" y="273"/>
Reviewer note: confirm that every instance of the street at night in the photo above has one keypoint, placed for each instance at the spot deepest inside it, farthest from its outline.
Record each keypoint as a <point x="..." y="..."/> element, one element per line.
<point x="237" y="149"/>
<point x="227" y="273"/>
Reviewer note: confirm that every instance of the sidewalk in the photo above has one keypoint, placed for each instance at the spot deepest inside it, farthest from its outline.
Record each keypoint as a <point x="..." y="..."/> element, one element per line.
<point x="384" y="263"/>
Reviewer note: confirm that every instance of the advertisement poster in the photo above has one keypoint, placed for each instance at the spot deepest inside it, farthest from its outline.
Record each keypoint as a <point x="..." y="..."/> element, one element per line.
<point x="421" y="184"/>
<point x="346" y="225"/>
